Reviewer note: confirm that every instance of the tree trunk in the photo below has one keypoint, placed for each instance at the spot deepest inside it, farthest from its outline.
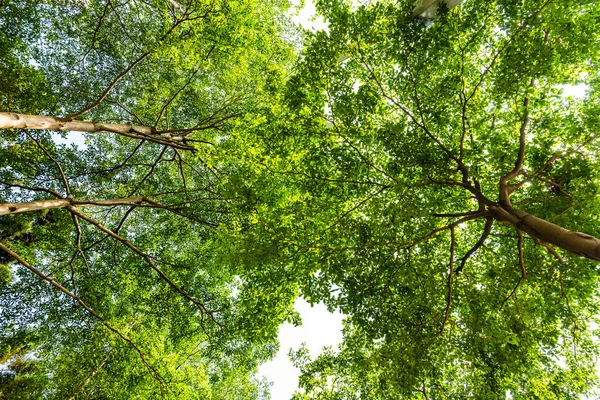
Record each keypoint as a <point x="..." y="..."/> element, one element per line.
<point x="25" y="121"/>
<point x="13" y="208"/>
<point x="575" y="242"/>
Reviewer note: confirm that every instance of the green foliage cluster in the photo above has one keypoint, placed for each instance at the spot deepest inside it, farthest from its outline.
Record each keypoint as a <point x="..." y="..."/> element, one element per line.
<point x="386" y="121"/>
<point x="190" y="64"/>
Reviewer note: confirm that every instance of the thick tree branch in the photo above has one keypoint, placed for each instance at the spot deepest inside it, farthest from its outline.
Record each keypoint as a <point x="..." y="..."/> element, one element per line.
<point x="14" y="208"/>
<point x="484" y="235"/>
<point x="139" y="132"/>
<point x="575" y="242"/>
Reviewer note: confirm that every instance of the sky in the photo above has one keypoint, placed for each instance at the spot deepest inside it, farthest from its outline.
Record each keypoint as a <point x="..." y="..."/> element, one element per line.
<point x="319" y="329"/>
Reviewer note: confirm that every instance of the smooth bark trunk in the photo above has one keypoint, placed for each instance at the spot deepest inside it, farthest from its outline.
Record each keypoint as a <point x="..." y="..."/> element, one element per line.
<point x="26" y="121"/>
<point x="575" y="242"/>
<point x="13" y="208"/>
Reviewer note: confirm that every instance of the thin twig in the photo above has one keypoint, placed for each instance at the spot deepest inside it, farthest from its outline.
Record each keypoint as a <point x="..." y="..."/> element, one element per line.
<point x="60" y="169"/>
<point x="450" y="275"/>
<point x="523" y="271"/>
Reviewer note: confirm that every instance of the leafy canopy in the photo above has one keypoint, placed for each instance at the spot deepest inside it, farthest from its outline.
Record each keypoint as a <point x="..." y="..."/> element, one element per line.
<point x="428" y="178"/>
<point x="416" y="165"/>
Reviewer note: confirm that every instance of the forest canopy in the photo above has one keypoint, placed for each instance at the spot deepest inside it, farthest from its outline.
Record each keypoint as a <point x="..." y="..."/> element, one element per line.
<point x="425" y="173"/>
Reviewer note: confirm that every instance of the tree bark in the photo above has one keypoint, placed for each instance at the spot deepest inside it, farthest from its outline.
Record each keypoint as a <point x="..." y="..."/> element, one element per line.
<point x="13" y="208"/>
<point x="26" y="121"/>
<point x="575" y="242"/>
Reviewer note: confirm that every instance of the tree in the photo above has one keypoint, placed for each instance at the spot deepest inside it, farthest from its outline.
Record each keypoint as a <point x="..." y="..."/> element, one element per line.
<point x="432" y="181"/>
<point x="428" y="178"/>
<point x="126" y="297"/>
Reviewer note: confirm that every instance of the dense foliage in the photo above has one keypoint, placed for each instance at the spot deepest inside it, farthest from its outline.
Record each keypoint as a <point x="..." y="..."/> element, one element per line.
<point x="428" y="178"/>
<point x="128" y="299"/>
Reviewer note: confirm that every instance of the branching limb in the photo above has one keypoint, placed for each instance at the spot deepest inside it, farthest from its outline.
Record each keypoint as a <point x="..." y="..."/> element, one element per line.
<point x="122" y="74"/>
<point x="100" y="21"/>
<point x="60" y="169"/>
<point x="181" y="171"/>
<point x="141" y="182"/>
<point x="168" y="102"/>
<point x="463" y="102"/>
<point x="474" y="189"/>
<point x="109" y="88"/>
<point x="153" y="372"/>
<point x="421" y="124"/>
<point x="203" y="125"/>
<point x="357" y="206"/>
<point x="550" y="161"/>
<point x="174" y="210"/>
<point x="77" y="251"/>
<point x="360" y="154"/>
<point x="424" y="391"/>
<point x="550" y="249"/>
<point x="177" y="6"/>
<point x="87" y="380"/>
<point x="32" y="188"/>
<point x="146" y="258"/>
<point x="400" y="245"/>
<point x="116" y="230"/>
<point x="504" y="194"/>
<point x="454" y="215"/>
<point x="521" y="27"/>
<point x="187" y="83"/>
<point x="484" y="235"/>
<point x="128" y="111"/>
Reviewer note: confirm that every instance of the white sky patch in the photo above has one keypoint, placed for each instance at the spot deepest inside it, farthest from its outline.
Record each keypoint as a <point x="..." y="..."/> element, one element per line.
<point x="306" y="18"/>
<point x="574" y="91"/>
<point x="72" y="137"/>
<point x="319" y="329"/>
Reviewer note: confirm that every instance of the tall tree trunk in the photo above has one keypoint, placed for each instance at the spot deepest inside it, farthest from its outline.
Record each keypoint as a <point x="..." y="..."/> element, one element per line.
<point x="575" y="242"/>
<point x="13" y="208"/>
<point x="25" y="121"/>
